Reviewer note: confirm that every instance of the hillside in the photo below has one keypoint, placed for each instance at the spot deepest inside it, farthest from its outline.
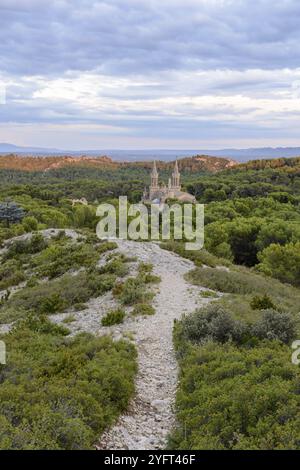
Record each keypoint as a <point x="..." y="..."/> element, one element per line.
<point x="274" y="163"/>
<point x="188" y="164"/>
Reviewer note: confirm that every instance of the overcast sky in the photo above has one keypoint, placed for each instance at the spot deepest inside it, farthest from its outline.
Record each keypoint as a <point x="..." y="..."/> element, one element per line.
<point x="86" y="74"/>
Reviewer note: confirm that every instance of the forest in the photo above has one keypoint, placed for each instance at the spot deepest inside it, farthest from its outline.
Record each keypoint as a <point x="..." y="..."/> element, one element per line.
<point x="239" y="344"/>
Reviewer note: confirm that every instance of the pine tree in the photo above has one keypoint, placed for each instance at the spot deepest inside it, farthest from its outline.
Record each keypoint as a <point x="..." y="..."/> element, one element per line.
<point x="11" y="212"/>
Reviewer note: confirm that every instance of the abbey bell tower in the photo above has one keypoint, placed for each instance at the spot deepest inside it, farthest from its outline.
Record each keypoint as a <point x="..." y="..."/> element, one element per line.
<point x="154" y="180"/>
<point x="162" y="193"/>
<point x="176" y="178"/>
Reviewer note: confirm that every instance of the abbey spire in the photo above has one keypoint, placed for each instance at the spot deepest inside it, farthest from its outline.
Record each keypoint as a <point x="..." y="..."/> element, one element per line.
<point x="161" y="193"/>
<point x="176" y="178"/>
<point x="154" y="176"/>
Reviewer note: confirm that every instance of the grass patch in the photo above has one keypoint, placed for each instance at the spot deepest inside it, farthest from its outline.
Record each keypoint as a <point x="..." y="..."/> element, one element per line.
<point x="244" y="283"/>
<point x="113" y="318"/>
<point x="143" y="309"/>
<point x="69" y="319"/>
<point x="199" y="257"/>
<point x="57" y="295"/>
<point x="11" y="274"/>
<point x="135" y="290"/>
<point x="208" y="294"/>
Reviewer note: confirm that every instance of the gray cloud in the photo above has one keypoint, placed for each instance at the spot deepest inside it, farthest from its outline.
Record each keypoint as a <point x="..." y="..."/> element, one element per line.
<point x="161" y="69"/>
<point x="127" y="37"/>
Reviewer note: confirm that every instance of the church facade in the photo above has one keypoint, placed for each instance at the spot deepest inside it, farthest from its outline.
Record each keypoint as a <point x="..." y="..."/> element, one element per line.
<point x="160" y="193"/>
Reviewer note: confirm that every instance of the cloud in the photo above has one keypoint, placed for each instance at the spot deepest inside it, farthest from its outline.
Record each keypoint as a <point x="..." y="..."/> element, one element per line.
<point x="187" y="68"/>
<point x="127" y="37"/>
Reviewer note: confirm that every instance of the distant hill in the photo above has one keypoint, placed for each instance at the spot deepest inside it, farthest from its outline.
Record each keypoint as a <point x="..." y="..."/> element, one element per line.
<point x="194" y="164"/>
<point x="285" y="164"/>
<point x="242" y="155"/>
<point x="10" y="148"/>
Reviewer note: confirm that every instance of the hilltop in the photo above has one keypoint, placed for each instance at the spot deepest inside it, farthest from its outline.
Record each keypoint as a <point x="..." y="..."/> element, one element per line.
<point x="136" y="155"/>
<point x="189" y="164"/>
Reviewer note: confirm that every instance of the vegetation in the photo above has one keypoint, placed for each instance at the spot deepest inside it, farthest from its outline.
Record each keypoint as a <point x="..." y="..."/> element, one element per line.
<point x="60" y="393"/>
<point x="135" y="290"/>
<point x="143" y="309"/>
<point x="113" y="318"/>
<point x="238" y="388"/>
<point x="10" y="212"/>
<point x="262" y="303"/>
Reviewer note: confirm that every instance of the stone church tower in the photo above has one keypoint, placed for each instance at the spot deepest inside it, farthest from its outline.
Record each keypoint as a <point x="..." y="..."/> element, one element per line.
<point x="176" y="179"/>
<point x="159" y="194"/>
<point x="154" y="187"/>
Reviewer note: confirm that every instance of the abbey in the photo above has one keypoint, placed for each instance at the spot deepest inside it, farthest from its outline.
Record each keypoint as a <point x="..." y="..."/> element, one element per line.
<point x="160" y="193"/>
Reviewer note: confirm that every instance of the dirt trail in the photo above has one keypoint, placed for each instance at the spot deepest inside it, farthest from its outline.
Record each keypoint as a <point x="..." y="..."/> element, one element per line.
<point x="150" y="417"/>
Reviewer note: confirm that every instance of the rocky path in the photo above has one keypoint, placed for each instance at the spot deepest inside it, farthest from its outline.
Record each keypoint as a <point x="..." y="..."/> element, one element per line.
<point x="150" y="417"/>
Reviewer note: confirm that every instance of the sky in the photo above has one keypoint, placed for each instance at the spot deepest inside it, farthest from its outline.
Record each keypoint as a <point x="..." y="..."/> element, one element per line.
<point x="135" y="74"/>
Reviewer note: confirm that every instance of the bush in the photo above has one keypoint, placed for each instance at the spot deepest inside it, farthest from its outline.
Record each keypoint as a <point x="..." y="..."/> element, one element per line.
<point x="212" y="323"/>
<point x="33" y="245"/>
<point x="52" y="304"/>
<point x="113" y="318"/>
<point x="30" y="224"/>
<point x="274" y="325"/>
<point x="59" y="294"/>
<point x="206" y="294"/>
<point x="56" y="259"/>
<point x="281" y="262"/>
<point x="11" y="274"/>
<point x="133" y="291"/>
<point x="145" y="268"/>
<point x="234" y="282"/>
<point x="61" y="393"/>
<point x="151" y="279"/>
<point x="262" y="303"/>
<point x="199" y="257"/>
<point x="116" y="266"/>
<point x="237" y="398"/>
<point x="143" y="309"/>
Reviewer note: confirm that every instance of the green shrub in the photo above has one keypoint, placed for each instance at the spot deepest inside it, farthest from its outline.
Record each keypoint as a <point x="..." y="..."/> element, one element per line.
<point x="58" y="392"/>
<point x="59" y="294"/>
<point x="132" y="291"/>
<point x="113" y="318"/>
<point x="151" y="279"/>
<point x="237" y="398"/>
<point x="30" y="224"/>
<point x="59" y="259"/>
<point x="199" y="257"/>
<point x="212" y="323"/>
<point x="52" y="304"/>
<point x="11" y="274"/>
<point x="145" y="268"/>
<point x="106" y="246"/>
<point x="116" y="266"/>
<point x="33" y="245"/>
<point x="206" y="294"/>
<point x="275" y="325"/>
<point x="143" y="309"/>
<point x="262" y="303"/>
<point x="235" y="282"/>
<point x="281" y="262"/>
<point x="69" y="319"/>
<point x="32" y="282"/>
